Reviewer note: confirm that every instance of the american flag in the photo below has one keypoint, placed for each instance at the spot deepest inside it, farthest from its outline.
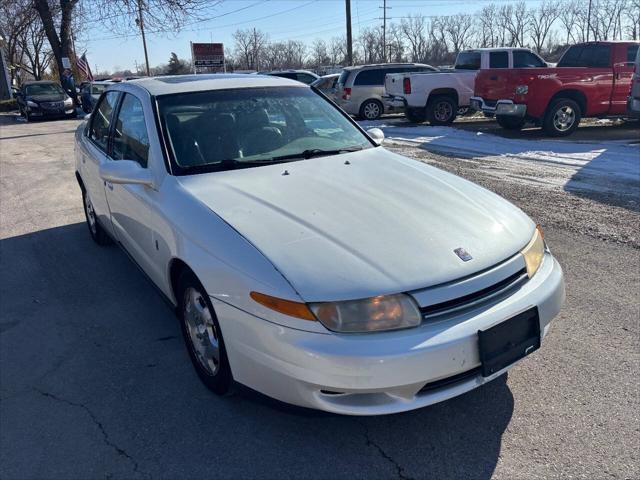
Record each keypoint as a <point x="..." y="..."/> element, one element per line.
<point x="83" y="65"/>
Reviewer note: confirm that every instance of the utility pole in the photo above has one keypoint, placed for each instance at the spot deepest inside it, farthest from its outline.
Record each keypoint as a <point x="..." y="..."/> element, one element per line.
<point x="384" y="30"/>
<point x="144" y="41"/>
<point x="349" y="39"/>
<point x="588" y="20"/>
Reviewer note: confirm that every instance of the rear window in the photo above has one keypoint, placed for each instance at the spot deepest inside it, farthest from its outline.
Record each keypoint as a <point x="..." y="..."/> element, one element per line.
<point x="586" y="56"/>
<point x="632" y="51"/>
<point x="468" y="61"/>
<point x="343" y="77"/>
<point x="524" y="59"/>
<point x="371" y="77"/>
<point x="498" y="60"/>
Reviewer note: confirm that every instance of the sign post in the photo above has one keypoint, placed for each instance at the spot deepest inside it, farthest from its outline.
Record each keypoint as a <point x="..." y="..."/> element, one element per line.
<point x="207" y="57"/>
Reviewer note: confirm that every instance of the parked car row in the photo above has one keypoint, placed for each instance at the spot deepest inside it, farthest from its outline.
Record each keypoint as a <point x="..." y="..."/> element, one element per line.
<point x="515" y="85"/>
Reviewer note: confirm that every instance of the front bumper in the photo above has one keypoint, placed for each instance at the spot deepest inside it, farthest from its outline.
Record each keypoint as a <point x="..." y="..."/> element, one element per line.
<point x="50" y="113"/>
<point x="377" y="373"/>
<point x="633" y="107"/>
<point x="501" y="107"/>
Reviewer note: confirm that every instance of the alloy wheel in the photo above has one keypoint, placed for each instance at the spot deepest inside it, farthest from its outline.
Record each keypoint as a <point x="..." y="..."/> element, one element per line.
<point x="442" y="111"/>
<point x="371" y="110"/>
<point x="564" y="118"/>
<point x="202" y="331"/>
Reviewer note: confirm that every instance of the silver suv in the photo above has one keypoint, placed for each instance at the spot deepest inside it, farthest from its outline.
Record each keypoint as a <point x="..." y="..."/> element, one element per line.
<point x="360" y="89"/>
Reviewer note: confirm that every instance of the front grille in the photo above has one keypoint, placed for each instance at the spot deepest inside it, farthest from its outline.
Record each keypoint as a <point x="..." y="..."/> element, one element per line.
<point x="473" y="299"/>
<point x="52" y="105"/>
<point x="446" y="382"/>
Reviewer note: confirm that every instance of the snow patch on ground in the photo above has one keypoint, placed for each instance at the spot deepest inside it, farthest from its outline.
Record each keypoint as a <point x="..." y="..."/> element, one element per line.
<point x="600" y="166"/>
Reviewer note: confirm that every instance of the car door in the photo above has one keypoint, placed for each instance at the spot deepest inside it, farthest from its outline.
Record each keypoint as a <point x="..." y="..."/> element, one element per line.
<point x="93" y="153"/>
<point x="132" y="213"/>
<point x="623" y="69"/>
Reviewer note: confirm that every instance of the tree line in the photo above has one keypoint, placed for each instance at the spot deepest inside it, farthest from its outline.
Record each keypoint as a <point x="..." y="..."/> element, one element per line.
<point x="39" y="33"/>
<point x="547" y="29"/>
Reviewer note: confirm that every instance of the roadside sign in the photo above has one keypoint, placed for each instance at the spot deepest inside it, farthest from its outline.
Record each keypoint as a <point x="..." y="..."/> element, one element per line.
<point x="66" y="63"/>
<point x="207" y="57"/>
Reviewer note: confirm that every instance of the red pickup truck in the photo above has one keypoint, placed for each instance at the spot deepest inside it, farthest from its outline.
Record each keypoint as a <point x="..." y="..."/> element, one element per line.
<point x="590" y="80"/>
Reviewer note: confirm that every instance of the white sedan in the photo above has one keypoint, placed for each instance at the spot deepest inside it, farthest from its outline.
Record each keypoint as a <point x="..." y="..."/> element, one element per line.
<point x="304" y="260"/>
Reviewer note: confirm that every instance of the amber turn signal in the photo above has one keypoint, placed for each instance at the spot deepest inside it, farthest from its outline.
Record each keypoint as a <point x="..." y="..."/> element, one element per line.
<point x="286" y="307"/>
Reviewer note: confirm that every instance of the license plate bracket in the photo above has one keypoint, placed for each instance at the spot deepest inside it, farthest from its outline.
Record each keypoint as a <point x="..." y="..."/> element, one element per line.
<point x="509" y="341"/>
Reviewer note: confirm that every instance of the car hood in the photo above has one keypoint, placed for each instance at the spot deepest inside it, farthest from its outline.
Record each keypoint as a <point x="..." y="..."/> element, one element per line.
<point x="364" y="223"/>
<point x="57" y="97"/>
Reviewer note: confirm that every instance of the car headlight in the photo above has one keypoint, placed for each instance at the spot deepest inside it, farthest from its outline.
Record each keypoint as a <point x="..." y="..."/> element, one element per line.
<point x="522" y="89"/>
<point x="534" y="252"/>
<point x="68" y="102"/>
<point x="32" y="104"/>
<point x="386" y="312"/>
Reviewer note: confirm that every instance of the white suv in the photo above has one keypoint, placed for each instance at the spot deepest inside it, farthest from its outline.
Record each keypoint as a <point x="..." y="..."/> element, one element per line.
<point x="359" y="90"/>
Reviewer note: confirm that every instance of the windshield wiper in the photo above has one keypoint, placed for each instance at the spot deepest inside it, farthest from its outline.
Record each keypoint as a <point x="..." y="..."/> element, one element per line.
<point x="316" y="152"/>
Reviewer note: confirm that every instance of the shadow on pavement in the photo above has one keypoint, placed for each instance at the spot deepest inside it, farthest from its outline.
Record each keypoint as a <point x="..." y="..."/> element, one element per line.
<point x="96" y="383"/>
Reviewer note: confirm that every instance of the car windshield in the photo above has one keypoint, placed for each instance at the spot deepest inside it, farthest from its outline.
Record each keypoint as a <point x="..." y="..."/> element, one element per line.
<point x="240" y="128"/>
<point x="43" y="89"/>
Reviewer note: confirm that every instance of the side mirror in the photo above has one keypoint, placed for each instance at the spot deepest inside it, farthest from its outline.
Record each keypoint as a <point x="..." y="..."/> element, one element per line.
<point x="376" y="135"/>
<point x="125" y="172"/>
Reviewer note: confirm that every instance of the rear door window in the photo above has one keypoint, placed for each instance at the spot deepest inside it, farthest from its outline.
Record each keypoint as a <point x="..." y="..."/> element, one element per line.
<point x="586" y="56"/>
<point x="498" y="60"/>
<point x="632" y="51"/>
<point x="468" y="61"/>
<point x="305" y="78"/>
<point x="370" y="77"/>
<point x="524" y="59"/>
<point x="101" y="120"/>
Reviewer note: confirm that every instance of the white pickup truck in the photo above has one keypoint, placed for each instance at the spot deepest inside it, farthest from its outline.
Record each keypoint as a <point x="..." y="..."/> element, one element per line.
<point x="438" y="96"/>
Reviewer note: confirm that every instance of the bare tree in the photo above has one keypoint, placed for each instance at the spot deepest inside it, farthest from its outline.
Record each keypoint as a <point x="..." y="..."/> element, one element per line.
<point x="36" y="54"/>
<point x="632" y="16"/>
<point x="371" y="44"/>
<point x="319" y="54"/>
<point x="338" y="50"/>
<point x="414" y="30"/>
<point x="395" y="43"/>
<point x="513" y="20"/>
<point x="250" y="46"/>
<point x="15" y="18"/>
<point x="487" y="26"/>
<point x="541" y="21"/>
<point x="569" y="17"/>
<point x="458" y="30"/>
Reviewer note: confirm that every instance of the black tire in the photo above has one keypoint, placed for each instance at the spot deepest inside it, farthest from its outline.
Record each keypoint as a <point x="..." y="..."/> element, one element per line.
<point x="441" y="110"/>
<point x="96" y="231"/>
<point x="371" y="110"/>
<point x="555" y="124"/>
<point x="510" y="123"/>
<point x="416" y="115"/>
<point x="221" y="380"/>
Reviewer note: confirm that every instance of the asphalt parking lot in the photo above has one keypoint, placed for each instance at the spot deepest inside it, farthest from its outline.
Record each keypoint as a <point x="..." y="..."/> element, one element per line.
<point x="95" y="382"/>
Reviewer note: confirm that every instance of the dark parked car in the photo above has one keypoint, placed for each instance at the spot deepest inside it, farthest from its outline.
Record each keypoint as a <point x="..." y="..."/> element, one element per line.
<point x="90" y="93"/>
<point x="44" y="99"/>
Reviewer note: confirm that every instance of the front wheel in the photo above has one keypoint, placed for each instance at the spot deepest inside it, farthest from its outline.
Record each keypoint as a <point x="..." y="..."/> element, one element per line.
<point x="202" y="334"/>
<point x="371" y="110"/>
<point x="441" y="110"/>
<point x="562" y="118"/>
<point x="510" y="123"/>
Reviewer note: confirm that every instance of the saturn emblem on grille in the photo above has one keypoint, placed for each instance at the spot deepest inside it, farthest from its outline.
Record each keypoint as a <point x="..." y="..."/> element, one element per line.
<point x="463" y="254"/>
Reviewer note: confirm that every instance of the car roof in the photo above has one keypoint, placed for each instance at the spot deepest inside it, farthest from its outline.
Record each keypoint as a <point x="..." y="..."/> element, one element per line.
<point x="383" y="65"/>
<point x="496" y="49"/>
<point x="168" y="85"/>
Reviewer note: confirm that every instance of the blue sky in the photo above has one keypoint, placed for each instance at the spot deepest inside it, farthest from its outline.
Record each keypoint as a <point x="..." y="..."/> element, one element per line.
<point x="303" y="20"/>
